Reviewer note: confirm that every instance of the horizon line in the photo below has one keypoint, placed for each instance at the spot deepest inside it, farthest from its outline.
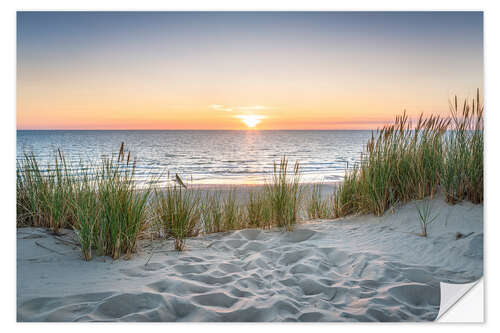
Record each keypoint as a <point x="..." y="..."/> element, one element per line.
<point x="195" y="129"/>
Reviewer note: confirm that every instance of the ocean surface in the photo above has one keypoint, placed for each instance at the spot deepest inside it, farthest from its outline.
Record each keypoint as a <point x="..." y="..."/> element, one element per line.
<point x="206" y="157"/>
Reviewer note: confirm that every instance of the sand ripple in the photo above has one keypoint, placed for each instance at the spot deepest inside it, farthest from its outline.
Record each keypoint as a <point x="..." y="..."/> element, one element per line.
<point x="309" y="274"/>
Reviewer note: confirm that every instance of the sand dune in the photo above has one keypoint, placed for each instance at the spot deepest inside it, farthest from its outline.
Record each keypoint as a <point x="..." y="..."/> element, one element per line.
<point x="361" y="268"/>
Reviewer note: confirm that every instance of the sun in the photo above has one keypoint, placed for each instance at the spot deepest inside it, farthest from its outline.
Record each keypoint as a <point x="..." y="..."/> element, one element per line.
<point x="251" y="120"/>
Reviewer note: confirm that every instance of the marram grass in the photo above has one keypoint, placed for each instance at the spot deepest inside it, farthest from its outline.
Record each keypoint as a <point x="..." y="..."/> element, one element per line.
<point x="123" y="206"/>
<point x="222" y="212"/>
<point x="284" y="193"/>
<point x="462" y="175"/>
<point x="212" y="213"/>
<point x="109" y="212"/>
<point x="102" y="203"/>
<point x="318" y="206"/>
<point x="425" y="216"/>
<point x="258" y="210"/>
<point x="232" y="217"/>
<point x="177" y="213"/>
<point x="44" y="197"/>
<point x="405" y="162"/>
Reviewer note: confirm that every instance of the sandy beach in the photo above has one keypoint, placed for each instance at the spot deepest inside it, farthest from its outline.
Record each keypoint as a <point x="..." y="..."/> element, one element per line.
<point x="247" y="165"/>
<point x="359" y="268"/>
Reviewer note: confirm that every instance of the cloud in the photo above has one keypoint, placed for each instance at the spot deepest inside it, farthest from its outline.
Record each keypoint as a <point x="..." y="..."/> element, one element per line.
<point x="222" y="107"/>
<point x="253" y="107"/>
<point x="245" y="117"/>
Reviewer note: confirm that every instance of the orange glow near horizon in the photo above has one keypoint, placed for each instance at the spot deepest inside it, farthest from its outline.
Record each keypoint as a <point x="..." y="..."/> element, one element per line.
<point x="93" y="102"/>
<point x="49" y="111"/>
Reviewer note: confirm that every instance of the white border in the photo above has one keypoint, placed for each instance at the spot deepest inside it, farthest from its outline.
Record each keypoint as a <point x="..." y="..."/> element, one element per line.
<point x="7" y="61"/>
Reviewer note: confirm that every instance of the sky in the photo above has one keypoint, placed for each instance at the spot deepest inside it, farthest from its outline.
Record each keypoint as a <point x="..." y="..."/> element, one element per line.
<point x="242" y="70"/>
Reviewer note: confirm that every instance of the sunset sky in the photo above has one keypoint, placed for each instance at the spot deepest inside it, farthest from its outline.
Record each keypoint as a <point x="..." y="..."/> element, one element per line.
<point x="230" y="70"/>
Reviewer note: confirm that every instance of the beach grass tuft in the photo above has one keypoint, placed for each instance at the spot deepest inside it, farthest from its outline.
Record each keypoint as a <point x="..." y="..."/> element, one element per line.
<point x="212" y="213"/>
<point x="102" y="203"/>
<point x="318" y="207"/>
<point x="462" y="175"/>
<point x="425" y="216"/>
<point x="44" y="196"/>
<point x="222" y="212"/>
<point x="87" y="219"/>
<point x="405" y="162"/>
<point x="177" y="213"/>
<point x="258" y="210"/>
<point x="232" y="212"/>
<point x="123" y="206"/>
<point x="284" y="193"/>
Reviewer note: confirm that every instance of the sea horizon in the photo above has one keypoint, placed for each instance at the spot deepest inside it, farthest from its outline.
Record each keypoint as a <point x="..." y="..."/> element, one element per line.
<point x="206" y="130"/>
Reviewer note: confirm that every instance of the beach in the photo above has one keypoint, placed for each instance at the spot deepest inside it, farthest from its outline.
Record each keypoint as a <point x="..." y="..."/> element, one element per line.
<point x="357" y="268"/>
<point x="247" y="166"/>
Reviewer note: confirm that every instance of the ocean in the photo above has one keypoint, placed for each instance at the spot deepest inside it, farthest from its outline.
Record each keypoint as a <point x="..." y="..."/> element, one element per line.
<point x="205" y="157"/>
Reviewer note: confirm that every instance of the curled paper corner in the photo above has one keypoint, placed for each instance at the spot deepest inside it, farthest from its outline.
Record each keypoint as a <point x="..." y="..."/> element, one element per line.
<point x="451" y="294"/>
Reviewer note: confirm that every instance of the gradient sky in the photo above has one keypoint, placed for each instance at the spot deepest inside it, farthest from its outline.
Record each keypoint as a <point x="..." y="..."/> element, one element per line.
<point x="214" y="70"/>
